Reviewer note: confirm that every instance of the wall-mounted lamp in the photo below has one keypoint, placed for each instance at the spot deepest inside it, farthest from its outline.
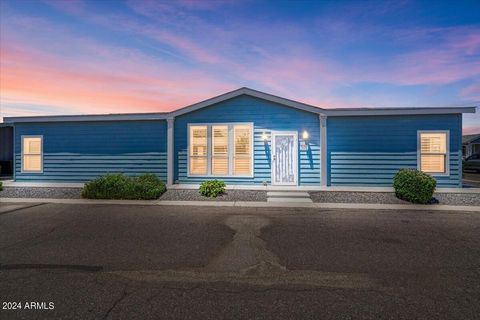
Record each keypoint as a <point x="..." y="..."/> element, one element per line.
<point x="305" y="135"/>
<point x="264" y="136"/>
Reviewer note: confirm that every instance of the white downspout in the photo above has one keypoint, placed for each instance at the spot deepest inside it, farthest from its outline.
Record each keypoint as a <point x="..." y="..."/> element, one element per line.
<point x="170" y="123"/>
<point x="323" y="150"/>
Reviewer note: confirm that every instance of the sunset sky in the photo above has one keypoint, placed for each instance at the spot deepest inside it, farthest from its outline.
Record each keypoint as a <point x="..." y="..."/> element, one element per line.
<point x="78" y="57"/>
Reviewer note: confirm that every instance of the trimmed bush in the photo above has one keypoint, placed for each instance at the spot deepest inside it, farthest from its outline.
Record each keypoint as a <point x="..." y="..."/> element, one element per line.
<point x="414" y="186"/>
<point x="120" y="186"/>
<point x="212" y="188"/>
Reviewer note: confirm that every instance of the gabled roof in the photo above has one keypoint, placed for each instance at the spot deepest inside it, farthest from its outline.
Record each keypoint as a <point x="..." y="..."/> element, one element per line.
<point x="470" y="138"/>
<point x="338" y="112"/>
<point x="248" y="92"/>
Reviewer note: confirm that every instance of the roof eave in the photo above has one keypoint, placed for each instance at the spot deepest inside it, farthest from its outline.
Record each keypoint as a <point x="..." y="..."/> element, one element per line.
<point x="82" y="118"/>
<point x="397" y="111"/>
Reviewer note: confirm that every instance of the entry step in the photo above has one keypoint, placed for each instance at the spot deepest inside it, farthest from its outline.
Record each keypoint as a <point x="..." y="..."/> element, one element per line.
<point x="292" y="199"/>
<point x="288" y="194"/>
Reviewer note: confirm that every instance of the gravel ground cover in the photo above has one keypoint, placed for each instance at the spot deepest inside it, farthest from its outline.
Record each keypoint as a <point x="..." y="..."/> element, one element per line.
<point x="230" y="195"/>
<point x="465" y="199"/>
<point x="355" y="197"/>
<point x="41" y="192"/>
<point x="461" y="199"/>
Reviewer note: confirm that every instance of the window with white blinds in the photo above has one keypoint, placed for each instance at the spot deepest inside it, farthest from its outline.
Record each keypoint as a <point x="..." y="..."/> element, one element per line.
<point x="198" y="150"/>
<point x="220" y="150"/>
<point x="243" y="149"/>
<point x="32" y="154"/>
<point x="227" y="149"/>
<point x="433" y="152"/>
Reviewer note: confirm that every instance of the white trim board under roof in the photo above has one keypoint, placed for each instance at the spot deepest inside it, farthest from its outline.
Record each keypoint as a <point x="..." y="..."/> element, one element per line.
<point x="338" y="112"/>
<point x="90" y="117"/>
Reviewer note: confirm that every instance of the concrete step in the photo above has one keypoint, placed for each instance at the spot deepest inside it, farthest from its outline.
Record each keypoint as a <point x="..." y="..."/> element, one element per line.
<point x="293" y="199"/>
<point x="288" y="194"/>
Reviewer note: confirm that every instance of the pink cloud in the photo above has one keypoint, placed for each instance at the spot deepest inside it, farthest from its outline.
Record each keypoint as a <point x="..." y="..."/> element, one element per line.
<point x="470" y="130"/>
<point x="33" y="77"/>
<point x="94" y="77"/>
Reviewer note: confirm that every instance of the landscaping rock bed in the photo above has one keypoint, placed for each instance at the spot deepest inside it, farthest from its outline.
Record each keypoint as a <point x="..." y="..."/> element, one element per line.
<point x="460" y="199"/>
<point x="355" y="197"/>
<point x="41" y="192"/>
<point x="229" y="195"/>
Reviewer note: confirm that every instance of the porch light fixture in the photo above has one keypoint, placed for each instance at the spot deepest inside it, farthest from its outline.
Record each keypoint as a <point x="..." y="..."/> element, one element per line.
<point x="264" y="136"/>
<point x="305" y="135"/>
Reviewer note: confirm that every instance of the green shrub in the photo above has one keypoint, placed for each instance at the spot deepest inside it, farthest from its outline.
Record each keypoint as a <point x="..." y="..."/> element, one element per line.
<point x="212" y="188"/>
<point x="414" y="186"/>
<point x="120" y="186"/>
<point x="1" y="185"/>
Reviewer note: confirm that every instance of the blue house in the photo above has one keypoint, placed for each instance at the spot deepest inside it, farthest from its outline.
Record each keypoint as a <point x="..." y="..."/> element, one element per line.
<point x="245" y="137"/>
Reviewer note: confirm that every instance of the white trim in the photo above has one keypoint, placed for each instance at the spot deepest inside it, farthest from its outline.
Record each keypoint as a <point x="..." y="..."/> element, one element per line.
<point x="231" y="151"/>
<point x="397" y="111"/>
<point x="188" y="149"/>
<point x="22" y="154"/>
<point x="170" y="150"/>
<point x="90" y="117"/>
<point x="447" y="152"/>
<point x="323" y="151"/>
<point x="295" y="158"/>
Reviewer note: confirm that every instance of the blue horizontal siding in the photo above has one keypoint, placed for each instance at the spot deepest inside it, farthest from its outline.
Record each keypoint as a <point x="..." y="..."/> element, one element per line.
<point x="84" y="167"/>
<point x="379" y="169"/>
<point x="82" y="151"/>
<point x="368" y="151"/>
<point x="266" y="117"/>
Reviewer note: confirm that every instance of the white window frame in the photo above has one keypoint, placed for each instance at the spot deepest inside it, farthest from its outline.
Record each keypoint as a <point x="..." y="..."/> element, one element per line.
<point x="447" y="152"/>
<point x="208" y="156"/>
<point x="231" y="150"/>
<point x="22" y="170"/>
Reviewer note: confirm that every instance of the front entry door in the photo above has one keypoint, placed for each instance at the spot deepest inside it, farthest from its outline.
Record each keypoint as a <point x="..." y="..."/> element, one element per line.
<point x="284" y="158"/>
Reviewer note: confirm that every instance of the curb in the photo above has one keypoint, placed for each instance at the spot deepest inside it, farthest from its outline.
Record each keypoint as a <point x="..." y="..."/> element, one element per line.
<point x="250" y="204"/>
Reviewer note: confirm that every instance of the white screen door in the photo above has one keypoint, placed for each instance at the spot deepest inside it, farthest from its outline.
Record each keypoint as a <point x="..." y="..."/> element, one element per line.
<point x="284" y="158"/>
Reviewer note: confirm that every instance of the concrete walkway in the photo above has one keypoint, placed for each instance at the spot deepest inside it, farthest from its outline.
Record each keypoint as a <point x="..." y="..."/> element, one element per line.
<point x="288" y="196"/>
<point x="252" y="204"/>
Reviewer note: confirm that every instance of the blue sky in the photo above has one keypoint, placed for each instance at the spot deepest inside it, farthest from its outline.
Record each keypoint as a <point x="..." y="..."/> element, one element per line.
<point x="66" y="57"/>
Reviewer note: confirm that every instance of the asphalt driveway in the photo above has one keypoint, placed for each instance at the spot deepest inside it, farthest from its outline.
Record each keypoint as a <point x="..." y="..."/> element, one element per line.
<point x="158" y="262"/>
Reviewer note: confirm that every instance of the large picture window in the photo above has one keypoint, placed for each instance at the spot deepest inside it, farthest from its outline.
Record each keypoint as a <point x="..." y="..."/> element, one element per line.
<point x="32" y="150"/>
<point x="226" y="149"/>
<point x="433" y="151"/>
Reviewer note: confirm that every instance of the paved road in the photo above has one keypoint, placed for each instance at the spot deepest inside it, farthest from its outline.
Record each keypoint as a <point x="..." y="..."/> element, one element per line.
<point x="135" y="262"/>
